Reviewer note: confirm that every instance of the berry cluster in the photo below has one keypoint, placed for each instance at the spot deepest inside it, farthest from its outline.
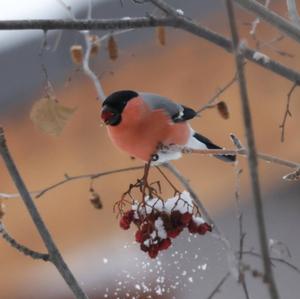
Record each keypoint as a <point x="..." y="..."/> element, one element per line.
<point x="160" y="221"/>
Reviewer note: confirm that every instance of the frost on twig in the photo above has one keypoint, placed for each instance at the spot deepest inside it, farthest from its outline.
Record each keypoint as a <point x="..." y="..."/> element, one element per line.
<point x="293" y="176"/>
<point x="262" y="57"/>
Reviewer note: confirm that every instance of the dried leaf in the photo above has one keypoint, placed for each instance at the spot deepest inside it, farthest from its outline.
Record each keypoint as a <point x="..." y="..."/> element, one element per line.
<point x="50" y="116"/>
<point x="112" y="48"/>
<point x="2" y="213"/>
<point x="95" y="200"/>
<point x="76" y="54"/>
<point x="161" y="35"/>
<point x="293" y="176"/>
<point x="95" y="45"/>
<point x="223" y="109"/>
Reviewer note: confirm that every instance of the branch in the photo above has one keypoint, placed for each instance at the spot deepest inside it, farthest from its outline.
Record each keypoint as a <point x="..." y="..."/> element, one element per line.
<point x="91" y="176"/>
<point x="210" y="103"/>
<point x="293" y="14"/>
<point x="146" y="22"/>
<point x="252" y="156"/>
<point x="275" y="259"/>
<point x="55" y="256"/>
<point x="165" y="7"/>
<point x="243" y="152"/>
<point x="287" y="111"/>
<point x="23" y="249"/>
<point x="231" y="259"/>
<point x="271" y="17"/>
<point x="218" y="286"/>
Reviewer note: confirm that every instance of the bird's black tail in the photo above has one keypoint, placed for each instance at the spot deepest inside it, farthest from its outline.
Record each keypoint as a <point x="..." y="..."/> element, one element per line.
<point x="210" y="145"/>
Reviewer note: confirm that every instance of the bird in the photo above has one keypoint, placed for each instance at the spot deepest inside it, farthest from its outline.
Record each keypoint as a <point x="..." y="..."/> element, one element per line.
<point x="151" y="127"/>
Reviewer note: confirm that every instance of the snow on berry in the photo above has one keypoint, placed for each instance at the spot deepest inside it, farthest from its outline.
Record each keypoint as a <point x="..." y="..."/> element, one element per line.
<point x="159" y="221"/>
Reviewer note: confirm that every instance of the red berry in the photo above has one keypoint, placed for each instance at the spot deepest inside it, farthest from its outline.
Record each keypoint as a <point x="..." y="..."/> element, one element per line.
<point x="203" y="228"/>
<point x="186" y="218"/>
<point x="153" y="251"/>
<point x="144" y="247"/>
<point x="124" y="223"/>
<point x="146" y="228"/>
<point x="208" y="227"/>
<point x="176" y="218"/>
<point x="174" y="233"/>
<point x="165" y="244"/>
<point x="193" y="227"/>
<point x="129" y="215"/>
<point x="139" y="236"/>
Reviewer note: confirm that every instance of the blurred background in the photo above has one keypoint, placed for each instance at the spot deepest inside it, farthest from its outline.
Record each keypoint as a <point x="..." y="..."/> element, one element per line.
<point x="104" y="258"/>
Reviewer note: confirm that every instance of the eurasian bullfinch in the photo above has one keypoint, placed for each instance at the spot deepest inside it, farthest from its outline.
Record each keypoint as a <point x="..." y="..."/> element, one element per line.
<point x="149" y="126"/>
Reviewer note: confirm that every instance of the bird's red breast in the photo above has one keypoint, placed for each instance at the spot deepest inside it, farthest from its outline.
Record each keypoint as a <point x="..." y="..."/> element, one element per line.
<point x="141" y="130"/>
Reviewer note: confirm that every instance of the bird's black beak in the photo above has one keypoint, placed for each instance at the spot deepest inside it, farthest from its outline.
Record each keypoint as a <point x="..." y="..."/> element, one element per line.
<point x="110" y="116"/>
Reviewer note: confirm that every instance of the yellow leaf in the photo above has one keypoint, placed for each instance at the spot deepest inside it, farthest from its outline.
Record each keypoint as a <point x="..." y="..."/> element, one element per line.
<point x="50" y="116"/>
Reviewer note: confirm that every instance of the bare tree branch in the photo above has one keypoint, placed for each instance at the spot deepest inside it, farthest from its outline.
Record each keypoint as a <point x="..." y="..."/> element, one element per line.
<point x="271" y="17"/>
<point x="145" y="22"/>
<point x="54" y="253"/>
<point x="244" y="152"/>
<point x="252" y="156"/>
<point x="23" y="249"/>
<point x="293" y="14"/>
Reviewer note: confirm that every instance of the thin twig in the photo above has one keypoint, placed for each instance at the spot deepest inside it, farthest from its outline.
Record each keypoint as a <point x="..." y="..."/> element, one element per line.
<point x="55" y="256"/>
<point x="91" y="176"/>
<point x="21" y="248"/>
<point x="252" y="156"/>
<point x="88" y="71"/>
<point x="287" y="111"/>
<point x="210" y="103"/>
<point x="242" y="234"/>
<point x="275" y="259"/>
<point x="219" y="285"/>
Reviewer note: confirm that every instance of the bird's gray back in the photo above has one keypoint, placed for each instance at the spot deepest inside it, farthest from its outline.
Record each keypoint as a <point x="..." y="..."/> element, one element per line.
<point x="155" y="101"/>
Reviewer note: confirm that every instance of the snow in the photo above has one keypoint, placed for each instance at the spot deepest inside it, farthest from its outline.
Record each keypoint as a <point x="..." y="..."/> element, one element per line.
<point x="260" y="56"/>
<point x="180" y="12"/>
<point x="182" y="202"/>
<point x="159" y="225"/>
<point x="198" y="220"/>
